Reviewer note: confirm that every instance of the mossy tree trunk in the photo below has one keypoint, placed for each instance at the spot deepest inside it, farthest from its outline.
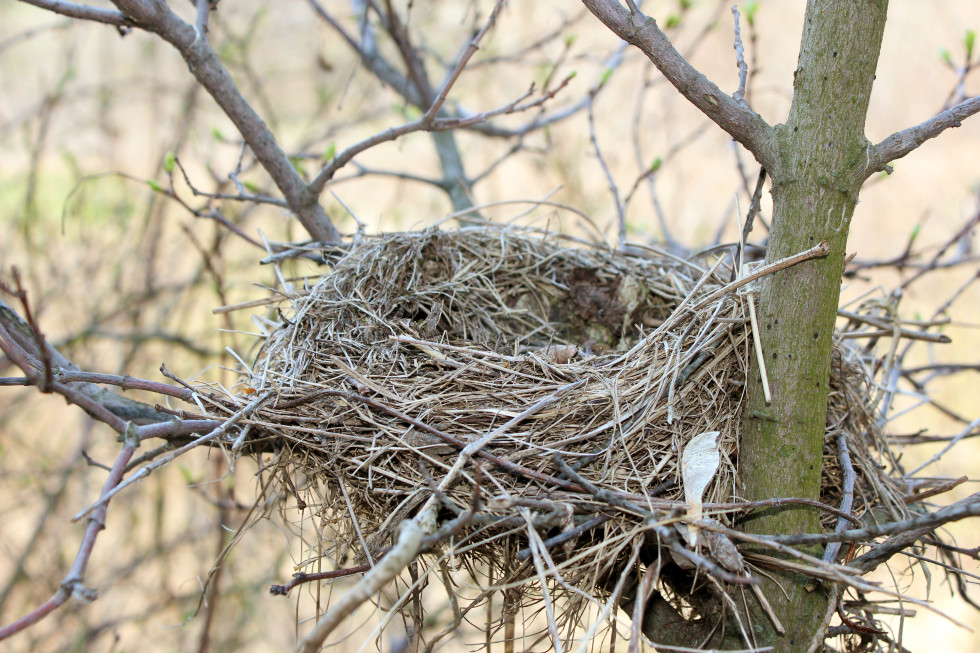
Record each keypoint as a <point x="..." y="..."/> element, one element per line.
<point x="820" y="166"/>
<point x="817" y="161"/>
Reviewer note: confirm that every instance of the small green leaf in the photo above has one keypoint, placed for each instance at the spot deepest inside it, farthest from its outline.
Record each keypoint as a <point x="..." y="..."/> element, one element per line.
<point x="410" y="111"/>
<point x="969" y="39"/>
<point x="656" y="165"/>
<point x="685" y="4"/>
<point x="673" y="20"/>
<point x="330" y="152"/>
<point x="154" y="185"/>
<point x="606" y="74"/>
<point x="216" y="133"/>
<point x="189" y="476"/>
<point x="915" y="233"/>
<point x="750" y="8"/>
<point x="169" y="161"/>
<point x="251" y="186"/>
<point x="298" y="165"/>
<point x="572" y="75"/>
<point x="946" y="56"/>
<point x="570" y="39"/>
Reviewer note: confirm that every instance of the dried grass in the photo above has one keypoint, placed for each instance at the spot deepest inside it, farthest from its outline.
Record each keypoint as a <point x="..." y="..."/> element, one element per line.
<point x="416" y="344"/>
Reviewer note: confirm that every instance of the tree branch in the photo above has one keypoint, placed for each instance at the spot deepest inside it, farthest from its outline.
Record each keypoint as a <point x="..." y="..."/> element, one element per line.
<point x="968" y="507"/>
<point x="204" y="64"/>
<point x="18" y="334"/>
<point x="431" y="120"/>
<point x="744" y="125"/>
<point x="83" y="12"/>
<point x="72" y="584"/>
<point x="901" y="143"/>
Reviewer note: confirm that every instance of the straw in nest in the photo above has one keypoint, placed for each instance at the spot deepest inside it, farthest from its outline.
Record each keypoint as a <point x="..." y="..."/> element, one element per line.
<point x="536" y="393"/>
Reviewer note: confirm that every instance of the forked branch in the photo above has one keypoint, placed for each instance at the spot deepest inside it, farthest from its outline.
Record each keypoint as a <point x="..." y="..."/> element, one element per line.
<point x="744" y="125"/>
<point x="901" y="143"/>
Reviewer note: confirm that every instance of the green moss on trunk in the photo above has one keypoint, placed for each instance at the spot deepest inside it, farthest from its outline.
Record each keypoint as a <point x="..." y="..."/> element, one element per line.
<point x="815" y="187"/>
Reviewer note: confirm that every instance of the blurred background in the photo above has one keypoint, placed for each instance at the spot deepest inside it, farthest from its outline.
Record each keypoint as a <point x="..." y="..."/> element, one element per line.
<point x="125" y="259"/>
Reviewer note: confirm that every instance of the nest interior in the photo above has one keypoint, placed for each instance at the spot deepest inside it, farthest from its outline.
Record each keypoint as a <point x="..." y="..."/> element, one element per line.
<point x="569" y="364"/>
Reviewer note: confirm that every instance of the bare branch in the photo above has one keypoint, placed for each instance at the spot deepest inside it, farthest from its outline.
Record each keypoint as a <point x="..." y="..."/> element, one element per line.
<point x="84" y="12"/>
<point x="202" y="8"/>
<point x="744" y="125"/>
<point x="968" y="507"/>
<point x="20" y="339"/>
<point x="204" y="64"/>
<point x="901" y="143"/>
<point x="143" y="472"/>
<point x="743" y="68"/>
<point x="613" y="188"/>
<point x="911" y="533"/>
<point x="431" y="120"/>
<point x="847" y="496"/>
<point x="72" y="585"/>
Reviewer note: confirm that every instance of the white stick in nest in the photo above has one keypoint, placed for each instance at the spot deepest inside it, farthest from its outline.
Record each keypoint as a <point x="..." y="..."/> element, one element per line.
<point x="698" y="466"/>
<point x="405" y="550"/>
<point x="750" y="292"/>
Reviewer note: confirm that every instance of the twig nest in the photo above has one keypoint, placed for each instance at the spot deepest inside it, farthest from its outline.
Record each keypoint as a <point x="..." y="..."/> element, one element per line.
<point x="575" y="357"/>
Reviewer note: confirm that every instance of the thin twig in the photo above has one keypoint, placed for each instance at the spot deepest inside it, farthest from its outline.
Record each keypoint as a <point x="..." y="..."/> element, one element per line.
<point x="143" y="472"/>
<point x="743" y="69"/>
<point x="847" y="495"/>
<point x="817" y="251"/>
<point x="72" y="585"/>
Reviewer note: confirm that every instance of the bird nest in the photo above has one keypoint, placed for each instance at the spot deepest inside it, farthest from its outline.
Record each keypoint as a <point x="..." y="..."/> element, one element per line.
<point x="536" y="395"/>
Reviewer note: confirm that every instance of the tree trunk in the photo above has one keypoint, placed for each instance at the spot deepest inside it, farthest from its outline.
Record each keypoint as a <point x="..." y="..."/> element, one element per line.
<point x="822" y="154"/>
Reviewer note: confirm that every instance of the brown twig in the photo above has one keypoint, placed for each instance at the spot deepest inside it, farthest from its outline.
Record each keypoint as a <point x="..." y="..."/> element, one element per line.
<point x="143" y="472"/>
<point x="941" y="489"/>
<point x="72" y="585"/>
<point x="817" y="251"/>
<point x="300" y="578"/>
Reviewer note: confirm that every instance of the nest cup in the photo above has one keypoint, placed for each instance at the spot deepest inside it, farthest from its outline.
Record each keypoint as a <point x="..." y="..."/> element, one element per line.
<point x="581" y="372"/>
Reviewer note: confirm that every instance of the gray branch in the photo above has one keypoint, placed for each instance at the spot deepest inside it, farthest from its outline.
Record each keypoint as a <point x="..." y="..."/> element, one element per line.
<point x="880" y="553"/>
<point x="744" y="125"/>
<point x="416" y="90"/>
<point x="901" y="143"/>
<point x="122" y="407"/>
<point x="204" y="64"/>
<point x="968" y="507"/>
<point x="83" y="12"/>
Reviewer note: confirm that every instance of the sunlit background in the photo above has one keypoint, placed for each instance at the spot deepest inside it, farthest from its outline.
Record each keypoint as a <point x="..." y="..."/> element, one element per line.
<point x="125" y="278"/>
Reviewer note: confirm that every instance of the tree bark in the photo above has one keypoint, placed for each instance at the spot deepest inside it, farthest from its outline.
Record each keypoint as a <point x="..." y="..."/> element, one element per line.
<point x="204" y="64"/>
<point x="822" y="157"/>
